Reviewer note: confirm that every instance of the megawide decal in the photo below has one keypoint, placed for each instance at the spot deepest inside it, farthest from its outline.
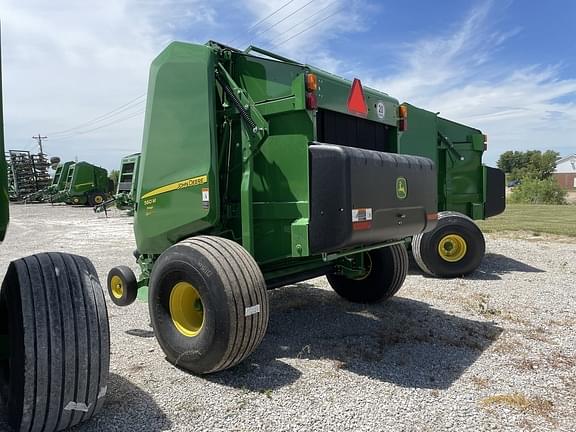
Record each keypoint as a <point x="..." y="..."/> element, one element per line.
<point x="401" y="188"/>
<point x="182" y="184"/>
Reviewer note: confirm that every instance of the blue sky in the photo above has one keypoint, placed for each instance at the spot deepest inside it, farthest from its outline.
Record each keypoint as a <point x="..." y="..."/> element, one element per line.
<point x="507" y="67"/>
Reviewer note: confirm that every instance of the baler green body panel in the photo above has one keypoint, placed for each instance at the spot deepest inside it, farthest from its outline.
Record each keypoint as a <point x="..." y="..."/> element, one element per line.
<point x="333" y="93"/>
<point x="457" y="151"/>
<point x="280" y="184"/>
<point x="180" y="159"/>
<point x="4" y="198"/>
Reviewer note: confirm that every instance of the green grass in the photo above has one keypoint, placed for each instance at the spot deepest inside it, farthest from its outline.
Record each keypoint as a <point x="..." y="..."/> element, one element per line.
<point x="540" y="219"/>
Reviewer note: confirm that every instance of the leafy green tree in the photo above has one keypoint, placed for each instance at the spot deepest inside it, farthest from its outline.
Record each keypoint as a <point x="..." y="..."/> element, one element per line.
<point x="529" y="164"/>
<point x="537" y="191"/>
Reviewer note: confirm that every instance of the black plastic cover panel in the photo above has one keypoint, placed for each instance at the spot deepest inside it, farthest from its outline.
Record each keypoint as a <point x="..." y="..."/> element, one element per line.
<point x="495" y="192"/>
<point x="362" y="197"/>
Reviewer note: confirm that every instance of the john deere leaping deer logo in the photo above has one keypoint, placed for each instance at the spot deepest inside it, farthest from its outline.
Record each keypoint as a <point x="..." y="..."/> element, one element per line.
<point x="401" y="188"/>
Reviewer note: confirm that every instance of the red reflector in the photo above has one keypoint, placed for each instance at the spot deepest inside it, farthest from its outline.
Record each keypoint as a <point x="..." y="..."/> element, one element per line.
<point x="356" y="101"/>
<point x="360" y="226"/>
<point x="431" y="216"/>
<point x="311" y="101"/>
<point x="403" y="124"/>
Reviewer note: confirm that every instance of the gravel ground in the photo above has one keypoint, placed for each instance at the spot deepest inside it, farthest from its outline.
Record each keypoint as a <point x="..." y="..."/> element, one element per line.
<point x="492" y="351"/>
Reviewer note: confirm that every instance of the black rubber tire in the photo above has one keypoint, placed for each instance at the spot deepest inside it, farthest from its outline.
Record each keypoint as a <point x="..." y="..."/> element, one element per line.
<point x="129" y="285"/>
<point x="54" y="311"/>
<point x="96" y="198"/>
<point x="231" y="286"/>
<point x="425" y="246"/>
<point x="388" y="272"/>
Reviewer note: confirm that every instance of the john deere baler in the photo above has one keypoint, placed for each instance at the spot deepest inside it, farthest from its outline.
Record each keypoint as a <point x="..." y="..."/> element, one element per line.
<point x="467" y="190"/>
<point x="85" y="184"/>
<point x="256" y="172"/>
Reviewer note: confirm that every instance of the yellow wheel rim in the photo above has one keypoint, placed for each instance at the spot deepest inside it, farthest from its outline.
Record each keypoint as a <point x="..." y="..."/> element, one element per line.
<point x="117" y="287"/>
<point x="98" y="199"/>
<point x="452" y="248"/>
<point x="368" y="264"/>
<point x="186" y="309"/>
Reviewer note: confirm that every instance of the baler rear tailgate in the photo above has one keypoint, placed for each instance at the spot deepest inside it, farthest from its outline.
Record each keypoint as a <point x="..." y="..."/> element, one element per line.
<point x="362" y="197"/>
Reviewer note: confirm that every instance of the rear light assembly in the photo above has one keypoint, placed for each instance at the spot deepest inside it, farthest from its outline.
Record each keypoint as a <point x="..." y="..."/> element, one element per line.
<point x="402" y="118"/>
<point x="311" y="101"/>
<point x="311" y="82"/>
<point x="311" y="87"/>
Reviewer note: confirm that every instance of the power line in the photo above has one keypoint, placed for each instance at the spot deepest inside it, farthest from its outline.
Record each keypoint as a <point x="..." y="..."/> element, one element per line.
<point x="262" y="20"/>
<point x="307" y="19"/>
<point x="128" y="105"/>
<point x="283" y="19"/>
<point x="278" y="44"/>
<point x="83" y="132"/>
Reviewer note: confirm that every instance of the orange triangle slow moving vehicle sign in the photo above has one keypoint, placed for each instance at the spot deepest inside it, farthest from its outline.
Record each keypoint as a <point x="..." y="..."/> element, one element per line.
<point x="356" y="101"/>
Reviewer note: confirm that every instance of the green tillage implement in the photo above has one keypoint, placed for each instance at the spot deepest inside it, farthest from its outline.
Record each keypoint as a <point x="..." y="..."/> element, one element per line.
<point x="257" y="172"/>
<point x="467" y="190"/>
<point x="125" y="196"/>
<point x="86" y="184"/>
<point x="54" y="337"/>
<point x="58" y="184"/>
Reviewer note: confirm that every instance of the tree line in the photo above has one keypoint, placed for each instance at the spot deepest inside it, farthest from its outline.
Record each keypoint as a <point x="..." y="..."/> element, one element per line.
<point x="530" y="173"/>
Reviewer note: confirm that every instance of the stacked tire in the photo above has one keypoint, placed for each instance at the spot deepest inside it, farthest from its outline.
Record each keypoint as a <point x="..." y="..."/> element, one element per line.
<point x="53" y="311"/>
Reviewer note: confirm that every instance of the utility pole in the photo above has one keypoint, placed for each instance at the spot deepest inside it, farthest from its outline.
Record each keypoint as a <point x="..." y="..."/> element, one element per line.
<point x="39" y="138"/>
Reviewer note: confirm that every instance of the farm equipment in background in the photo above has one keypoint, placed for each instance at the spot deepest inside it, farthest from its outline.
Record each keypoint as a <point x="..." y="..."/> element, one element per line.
<point x="85" y="184"/>
<point x="54" y="336"/>
<point x="57" y="185"/>
<point x="125" y="196"/>
<point x="257" y="172"/>
<point x="27" y="173"/>
<point x="467" y="190"/>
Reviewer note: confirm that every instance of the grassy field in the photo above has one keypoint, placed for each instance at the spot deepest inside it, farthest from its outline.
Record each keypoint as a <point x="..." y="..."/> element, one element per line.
<point x="541" y="219"/>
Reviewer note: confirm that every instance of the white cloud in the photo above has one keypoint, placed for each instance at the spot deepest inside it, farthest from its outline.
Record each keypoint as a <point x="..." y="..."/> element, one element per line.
<point x="66" y="62"/>
<point x="522" y="107"/>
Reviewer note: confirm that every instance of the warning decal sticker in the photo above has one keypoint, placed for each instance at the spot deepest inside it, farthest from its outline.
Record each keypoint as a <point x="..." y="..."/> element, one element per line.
<point x="381" y="110"/>
<point x="361" y="219"/>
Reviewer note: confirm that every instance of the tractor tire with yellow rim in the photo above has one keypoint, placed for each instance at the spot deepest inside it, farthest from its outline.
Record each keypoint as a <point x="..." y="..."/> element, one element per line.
<point x="122" y="286"/>
<point x="208" y="304"/>
<point x="386" y="270"/>
<point x="96" y="198"/>
<point x="454" y="248"/>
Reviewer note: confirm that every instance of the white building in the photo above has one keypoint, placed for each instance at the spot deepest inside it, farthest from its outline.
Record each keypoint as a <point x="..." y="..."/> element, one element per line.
<point x="565" y="172"/>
